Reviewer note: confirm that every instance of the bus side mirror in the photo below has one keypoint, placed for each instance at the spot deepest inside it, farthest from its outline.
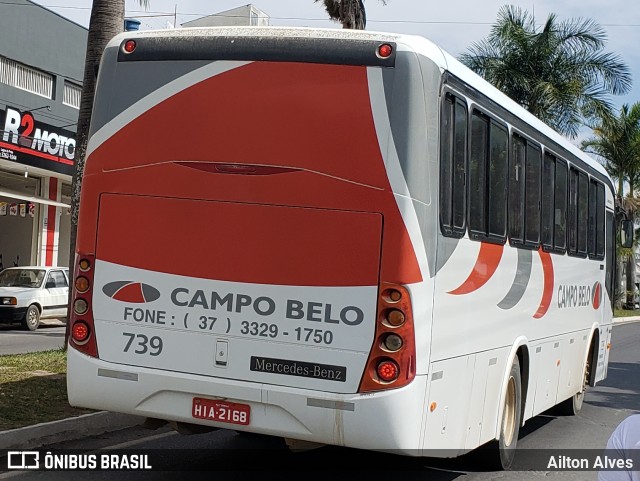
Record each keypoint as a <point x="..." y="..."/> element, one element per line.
<point x="626" y="233"/>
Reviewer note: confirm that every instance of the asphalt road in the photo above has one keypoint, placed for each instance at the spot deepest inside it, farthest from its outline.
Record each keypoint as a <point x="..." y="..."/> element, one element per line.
<point x="13" y="340"/>
<point x="226" y="455"/>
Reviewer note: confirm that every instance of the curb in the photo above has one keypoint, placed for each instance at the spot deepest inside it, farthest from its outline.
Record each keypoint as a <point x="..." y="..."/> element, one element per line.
<point x="30" y="437"/>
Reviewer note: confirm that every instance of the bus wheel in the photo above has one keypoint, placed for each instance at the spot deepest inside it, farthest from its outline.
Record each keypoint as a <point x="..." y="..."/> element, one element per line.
<point x="31" y="319"/>
<point x="511" y="418"/>
<point x="573" y="405"/>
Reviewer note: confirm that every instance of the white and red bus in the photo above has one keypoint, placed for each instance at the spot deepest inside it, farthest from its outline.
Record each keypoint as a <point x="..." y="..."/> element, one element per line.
<point x="333" y="236"/>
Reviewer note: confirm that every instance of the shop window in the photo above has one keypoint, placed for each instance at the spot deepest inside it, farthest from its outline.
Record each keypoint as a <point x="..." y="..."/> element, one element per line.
<point x="26" y="78"/>
<point x="71" y="95"/>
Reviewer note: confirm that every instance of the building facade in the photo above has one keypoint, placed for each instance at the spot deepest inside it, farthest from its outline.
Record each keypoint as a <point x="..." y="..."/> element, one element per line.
<point x="247" y="15"/>
<point x="41" y="69"/>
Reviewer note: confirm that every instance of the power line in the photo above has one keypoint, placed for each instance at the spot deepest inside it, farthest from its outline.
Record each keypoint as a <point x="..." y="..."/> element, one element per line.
<point x="26" y="108"/>
<point x="152" y="14"/>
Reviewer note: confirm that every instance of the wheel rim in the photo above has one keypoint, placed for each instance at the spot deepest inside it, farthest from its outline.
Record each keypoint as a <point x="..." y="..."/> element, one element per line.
<point x="32" y="317"/>
<point x="509" y="417"/>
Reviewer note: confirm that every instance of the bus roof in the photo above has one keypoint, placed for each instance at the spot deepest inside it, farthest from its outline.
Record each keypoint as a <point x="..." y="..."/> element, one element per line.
<point x="420" y="45"/>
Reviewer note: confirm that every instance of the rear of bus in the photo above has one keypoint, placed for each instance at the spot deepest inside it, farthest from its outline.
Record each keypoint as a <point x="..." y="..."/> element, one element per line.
<point x="244" y="259"/>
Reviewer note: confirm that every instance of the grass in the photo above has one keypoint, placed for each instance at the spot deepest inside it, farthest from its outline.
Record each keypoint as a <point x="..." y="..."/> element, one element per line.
<point x="33" y="389"/>
<point x="626" y="312"/>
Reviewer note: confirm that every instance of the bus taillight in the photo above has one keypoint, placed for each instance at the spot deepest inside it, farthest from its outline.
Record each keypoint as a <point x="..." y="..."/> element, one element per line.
<point x="391" y="362"/>
<point x="81" y="313"/>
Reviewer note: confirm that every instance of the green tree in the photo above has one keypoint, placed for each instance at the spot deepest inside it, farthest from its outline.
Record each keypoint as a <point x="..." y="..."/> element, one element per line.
<point x="616" y="141"/>
<point x="106" y="21"/>
<point x="350" y="13"/>
<point x="559" y="72"/>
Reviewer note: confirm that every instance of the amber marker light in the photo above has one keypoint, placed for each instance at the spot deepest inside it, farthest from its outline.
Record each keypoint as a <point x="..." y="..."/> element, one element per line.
<point x="82" y="284"/>
<point x="392" y="295"/>
<point x="433" y="406"/>
<point x="395" y="317"/>
<point x="84" y="264"/>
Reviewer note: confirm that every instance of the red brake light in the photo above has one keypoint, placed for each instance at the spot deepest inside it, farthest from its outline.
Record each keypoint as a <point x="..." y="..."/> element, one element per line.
<point x="81" y="328"/>
<point x="129" y="46"/>
<point x="392" y="359"/>
<point x="80" y="332"/>
<point x="385" y="50"/>
<point x="388" y="371"/>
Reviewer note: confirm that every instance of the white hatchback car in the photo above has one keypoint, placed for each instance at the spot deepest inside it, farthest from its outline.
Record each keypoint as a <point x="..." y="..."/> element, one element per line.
<point x="28" y="294"/>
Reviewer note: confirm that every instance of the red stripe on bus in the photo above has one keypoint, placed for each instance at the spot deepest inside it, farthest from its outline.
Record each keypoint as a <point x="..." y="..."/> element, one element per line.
<point x="547" y="293"/>
<point x="486" y="265"/>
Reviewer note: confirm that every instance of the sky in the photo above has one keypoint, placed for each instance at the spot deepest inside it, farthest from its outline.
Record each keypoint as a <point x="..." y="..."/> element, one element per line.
<point x="453" y="24"/>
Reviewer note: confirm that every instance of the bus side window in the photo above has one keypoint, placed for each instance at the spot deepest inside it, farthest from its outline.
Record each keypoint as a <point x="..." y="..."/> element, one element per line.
<point x="478" y="175"/>
<point x="499" y="146"/>
<point x="583" y="213"/>
<point x="516" y="190"/>
<point x="453" y="153"/>
<point x="547" y="201"/>
<point x="610" y="247"/>
<point x="532" y="195"/>
<point x="487" y="179"/>
<point x="560" y="207"/>
<point x="572" y="217"/>
<point x="596" y="220"/>
<point x="600" y="221"/>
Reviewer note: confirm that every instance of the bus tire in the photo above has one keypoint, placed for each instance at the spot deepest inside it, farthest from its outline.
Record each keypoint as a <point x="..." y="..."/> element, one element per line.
<point x="573" y="405"/>
<point x="31" y="319"/>
<point x="511" y="419"/>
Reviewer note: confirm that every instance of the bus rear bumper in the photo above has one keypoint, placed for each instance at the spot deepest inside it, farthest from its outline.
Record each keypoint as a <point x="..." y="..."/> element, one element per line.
<point x="384" y="421"/>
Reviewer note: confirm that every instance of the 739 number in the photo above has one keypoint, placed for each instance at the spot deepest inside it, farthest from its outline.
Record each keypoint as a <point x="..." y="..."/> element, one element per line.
<point x="142" y="344"/>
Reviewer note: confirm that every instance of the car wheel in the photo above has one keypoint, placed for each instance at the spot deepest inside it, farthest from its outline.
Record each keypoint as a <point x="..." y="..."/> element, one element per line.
<point x="31" y="319"/>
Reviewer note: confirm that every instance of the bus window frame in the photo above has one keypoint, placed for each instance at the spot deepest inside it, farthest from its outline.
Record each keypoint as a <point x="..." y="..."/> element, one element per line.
<point x="452" y="230"/>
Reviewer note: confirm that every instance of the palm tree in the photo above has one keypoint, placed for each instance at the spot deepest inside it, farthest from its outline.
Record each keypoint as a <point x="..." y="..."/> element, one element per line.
<point x="350" y="13"/>
<point x="616" y="141"/>
<point x="106" y="21"/>
<point x="558" y="73"/>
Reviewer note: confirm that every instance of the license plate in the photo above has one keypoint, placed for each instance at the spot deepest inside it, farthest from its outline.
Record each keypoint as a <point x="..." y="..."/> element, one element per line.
<point x="223" y="411"/>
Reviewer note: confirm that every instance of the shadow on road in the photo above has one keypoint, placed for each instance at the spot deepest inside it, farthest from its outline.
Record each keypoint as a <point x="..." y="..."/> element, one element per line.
<point x="15" y="328"/>
<point x="621" y="389"/>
